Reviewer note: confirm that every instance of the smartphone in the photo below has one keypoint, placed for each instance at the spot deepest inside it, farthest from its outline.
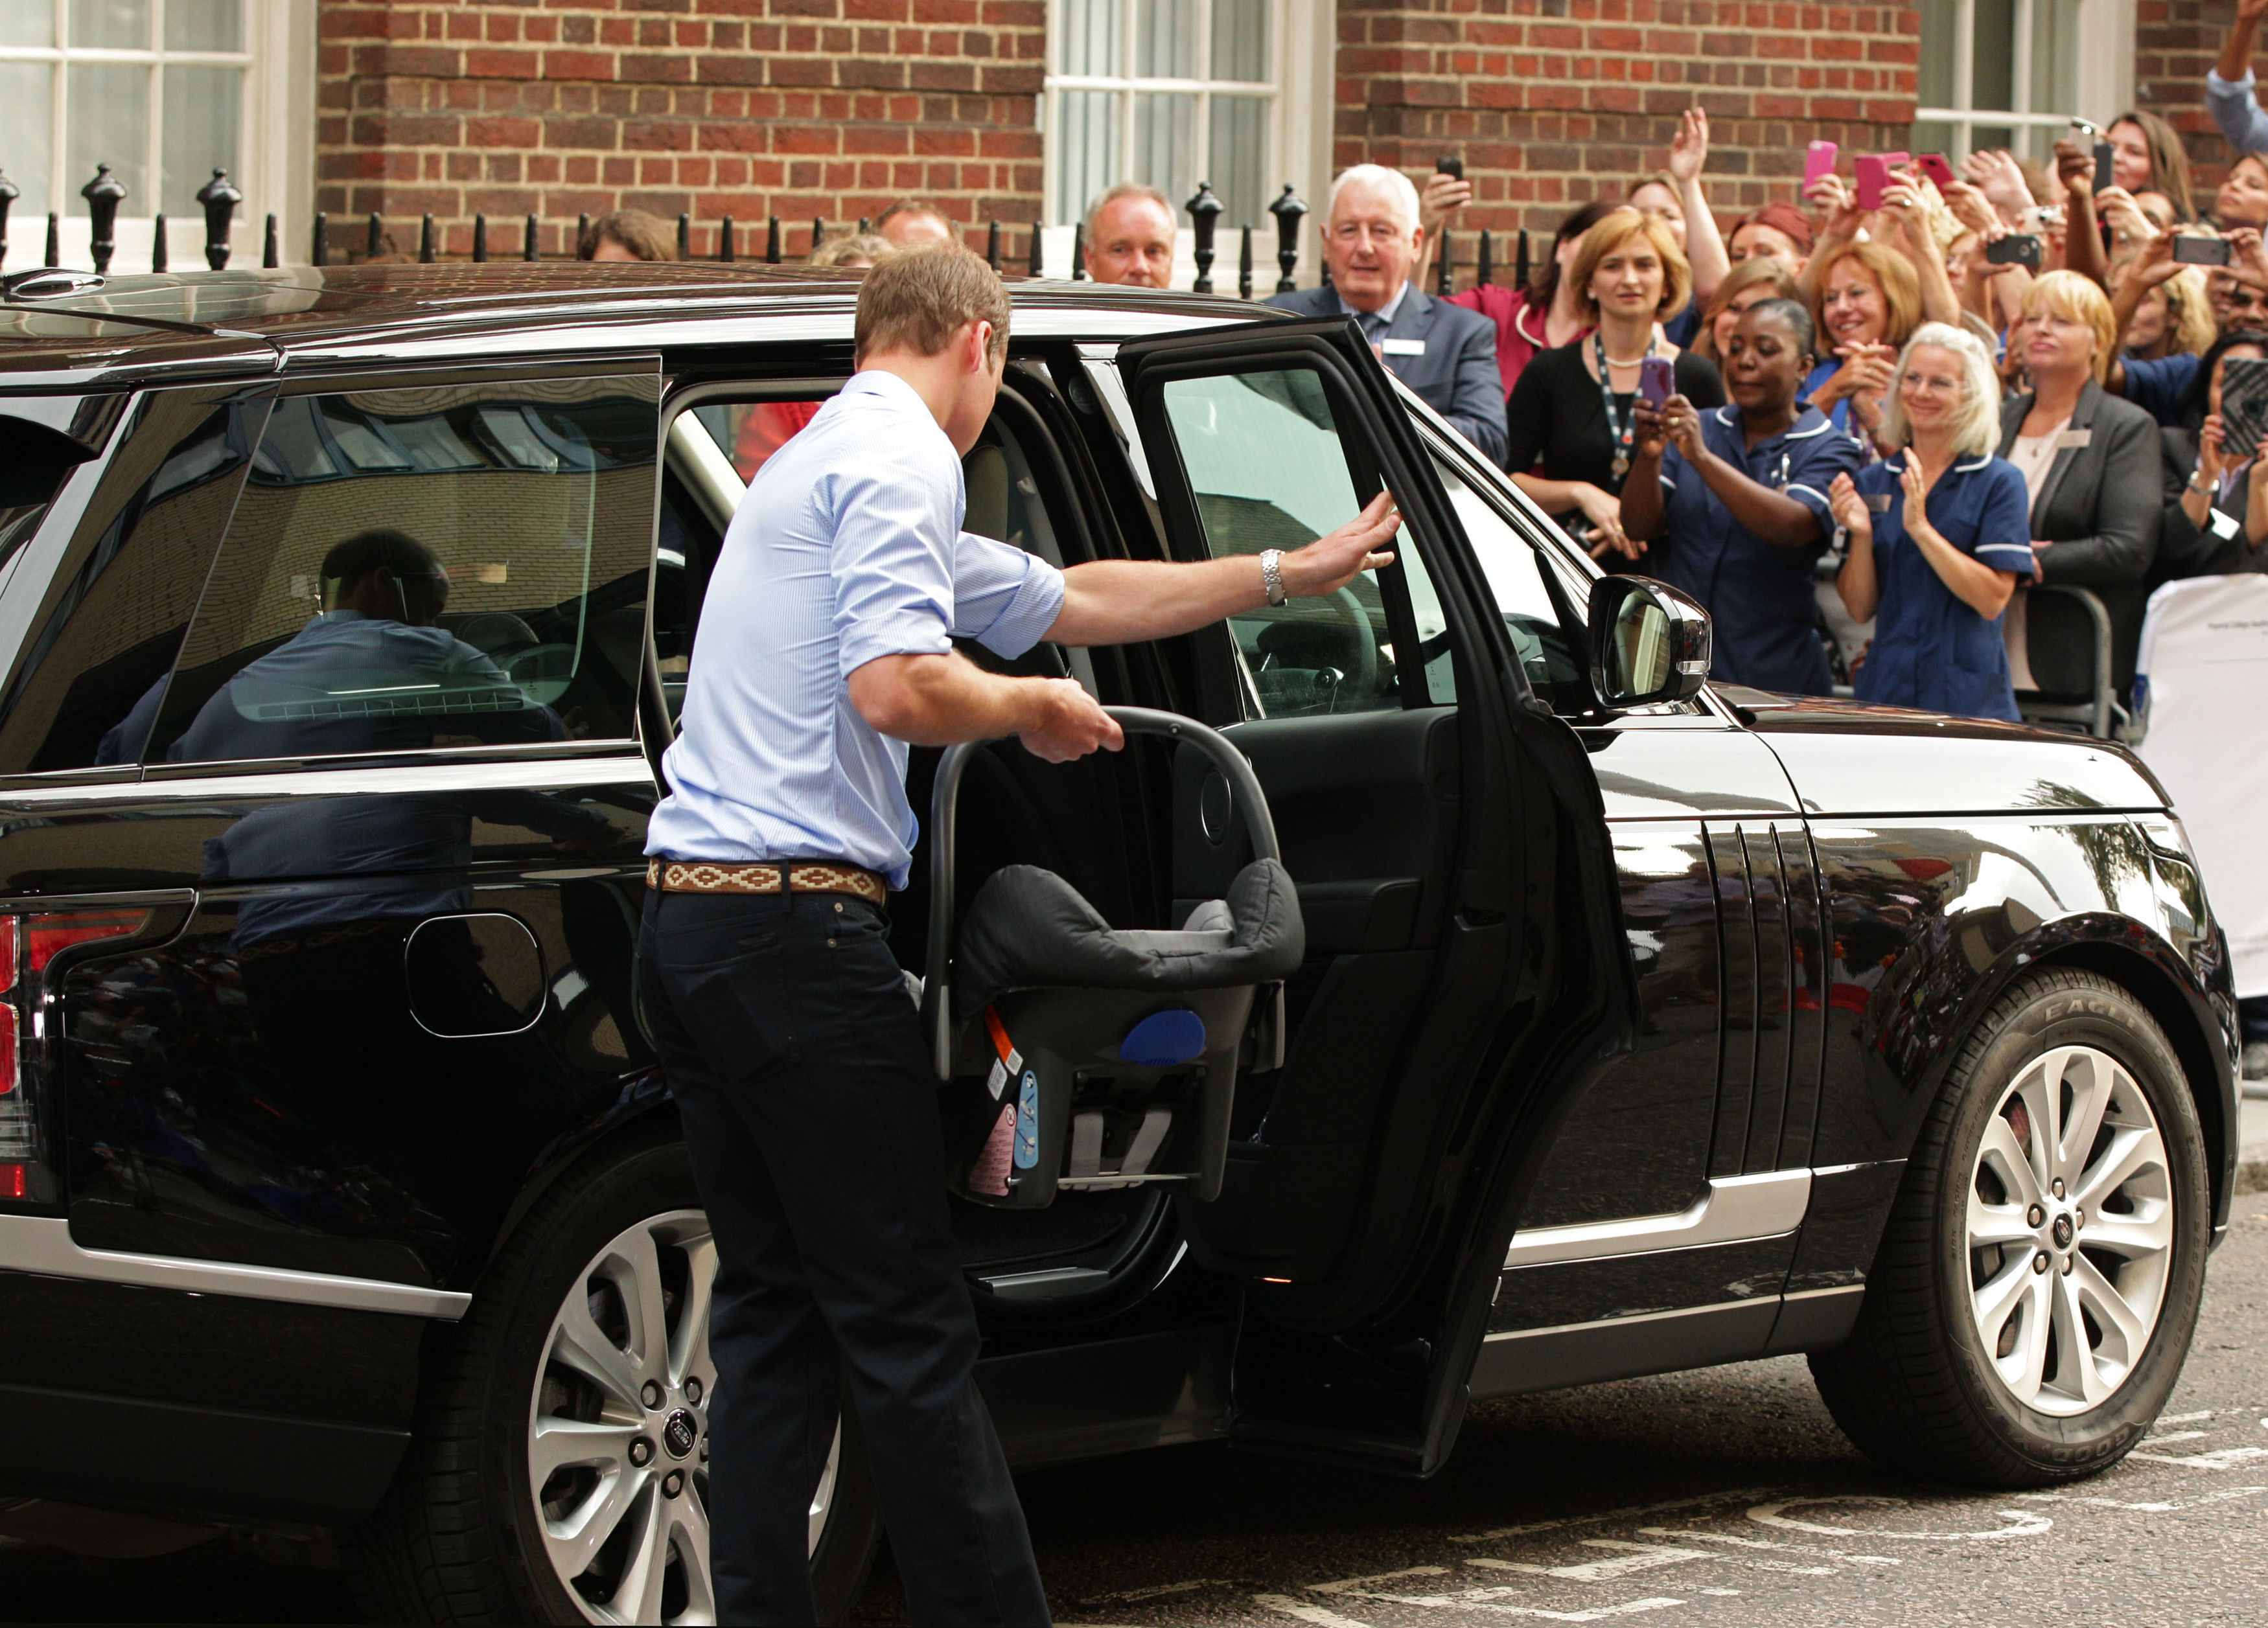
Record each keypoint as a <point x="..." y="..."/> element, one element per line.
<point x="1933" y="165"/>
<point x="1818" y="160"/>
<point x="2018" y="249"/>
<point x="1657" y="377"/>
<point x="2244" y="406"/>
<point x="1449" y="164"/>
<point x="2190" y="249"/>
<point x="1873" y="175"/>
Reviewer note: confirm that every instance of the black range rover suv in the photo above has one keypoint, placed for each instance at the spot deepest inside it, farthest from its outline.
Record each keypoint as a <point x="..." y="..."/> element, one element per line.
<point x="1643" y="1025"/>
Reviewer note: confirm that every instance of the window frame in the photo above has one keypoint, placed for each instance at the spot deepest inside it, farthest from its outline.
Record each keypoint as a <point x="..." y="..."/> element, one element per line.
<point x="637" y="366"/>
<point x="2103" y="78"/>
<point x="1302" y="86"/>
<point x="274" y="143"/>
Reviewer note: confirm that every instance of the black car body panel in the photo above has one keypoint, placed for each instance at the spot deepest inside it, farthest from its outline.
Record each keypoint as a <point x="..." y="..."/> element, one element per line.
<point x="1614" y="1035"/>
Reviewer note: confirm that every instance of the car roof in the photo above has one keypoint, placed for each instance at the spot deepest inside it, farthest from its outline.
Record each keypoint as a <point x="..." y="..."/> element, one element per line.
<point x="187" y="325"/>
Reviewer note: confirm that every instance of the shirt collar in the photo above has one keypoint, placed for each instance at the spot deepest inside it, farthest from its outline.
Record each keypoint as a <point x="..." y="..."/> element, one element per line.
<point x="1809" y="421"/>
<point x="876" y="382"/>
<point x="1384" y="314"/>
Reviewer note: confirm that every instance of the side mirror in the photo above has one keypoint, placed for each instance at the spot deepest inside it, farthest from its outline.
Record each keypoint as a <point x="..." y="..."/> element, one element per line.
<point x="1649" y="643"/>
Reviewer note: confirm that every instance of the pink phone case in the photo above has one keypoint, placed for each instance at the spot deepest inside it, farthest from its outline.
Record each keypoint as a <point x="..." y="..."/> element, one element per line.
<point x="1818" y="160"/>
<point x="1933" y="165"/>
<point x="1873" y="175"/>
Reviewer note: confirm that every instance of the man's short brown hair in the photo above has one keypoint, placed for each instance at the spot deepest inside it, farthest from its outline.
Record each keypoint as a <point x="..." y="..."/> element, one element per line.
<point x="649" y="236"/>
<point x="919" y="298"/>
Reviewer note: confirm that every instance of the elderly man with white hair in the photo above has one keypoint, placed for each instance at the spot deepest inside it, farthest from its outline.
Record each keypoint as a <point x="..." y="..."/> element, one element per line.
<point x="1372" y="241"/>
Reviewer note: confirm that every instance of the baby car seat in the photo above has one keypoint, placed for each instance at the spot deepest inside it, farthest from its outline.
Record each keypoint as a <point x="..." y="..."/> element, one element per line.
<point x="1111" y="1054"/>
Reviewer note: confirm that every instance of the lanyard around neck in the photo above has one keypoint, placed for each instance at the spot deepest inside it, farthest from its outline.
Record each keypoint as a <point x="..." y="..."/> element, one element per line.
<point x="1620" y="430"/>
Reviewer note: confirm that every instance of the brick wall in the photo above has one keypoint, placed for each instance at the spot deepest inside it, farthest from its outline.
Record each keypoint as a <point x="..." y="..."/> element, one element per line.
<point x="2175" y="42"/>
<point x="711" y="107"/>
<point x="1551" y="102"/>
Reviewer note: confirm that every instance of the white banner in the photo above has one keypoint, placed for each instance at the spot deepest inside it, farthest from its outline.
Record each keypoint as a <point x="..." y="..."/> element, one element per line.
<point x="2205" y="660"/>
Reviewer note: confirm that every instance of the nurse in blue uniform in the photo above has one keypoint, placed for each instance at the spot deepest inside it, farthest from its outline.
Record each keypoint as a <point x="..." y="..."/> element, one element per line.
<point x="1940" y="536"/>
<point x="1733" y="503"/>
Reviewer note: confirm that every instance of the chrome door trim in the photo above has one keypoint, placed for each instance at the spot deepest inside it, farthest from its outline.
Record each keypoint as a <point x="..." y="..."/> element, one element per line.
<point x="1736" y="1209"/>
<point x="226" y="785"/>
<point x="43" y="1244"/>
<point x="1681" y="1315"/>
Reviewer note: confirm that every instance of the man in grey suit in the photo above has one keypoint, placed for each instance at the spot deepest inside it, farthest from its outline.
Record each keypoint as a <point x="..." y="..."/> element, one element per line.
<point x="1444" y="352"/>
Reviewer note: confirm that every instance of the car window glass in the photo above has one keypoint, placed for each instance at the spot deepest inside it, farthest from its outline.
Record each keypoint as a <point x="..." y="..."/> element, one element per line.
<point x="1552" y="660"/>
<point x="443" y="566"/>
<point x="114" y="617"/>
<point x="1266" y="462"/>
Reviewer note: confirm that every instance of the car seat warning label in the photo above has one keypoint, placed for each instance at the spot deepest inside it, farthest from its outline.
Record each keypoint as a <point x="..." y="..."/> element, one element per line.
<point x="1027" y="1122"/>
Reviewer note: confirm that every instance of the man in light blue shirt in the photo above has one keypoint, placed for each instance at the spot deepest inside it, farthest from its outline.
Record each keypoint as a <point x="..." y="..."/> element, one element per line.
<point x="824" y="652"/>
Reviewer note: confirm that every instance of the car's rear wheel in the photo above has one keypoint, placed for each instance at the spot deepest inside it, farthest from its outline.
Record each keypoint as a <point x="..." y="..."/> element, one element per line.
<point x="2038" y="1280"/>
<point x="560" y="1473"/>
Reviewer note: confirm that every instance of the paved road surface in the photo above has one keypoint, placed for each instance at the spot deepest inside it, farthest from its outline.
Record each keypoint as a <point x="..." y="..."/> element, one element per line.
<point x="1719" y="1497"/>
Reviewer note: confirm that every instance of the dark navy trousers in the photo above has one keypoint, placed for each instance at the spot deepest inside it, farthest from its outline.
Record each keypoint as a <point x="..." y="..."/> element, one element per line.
<point x="810" y="1110"/>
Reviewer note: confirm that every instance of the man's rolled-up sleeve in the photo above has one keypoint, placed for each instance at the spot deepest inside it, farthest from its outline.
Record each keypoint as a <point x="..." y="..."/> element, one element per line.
<point x="1004" y="598"/>
<point x="2237" y="110"/>
<point x="892" y="562"/>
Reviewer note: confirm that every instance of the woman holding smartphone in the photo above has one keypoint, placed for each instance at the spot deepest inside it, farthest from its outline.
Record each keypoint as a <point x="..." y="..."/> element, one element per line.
<point x="1735" y="502"/>
<point x="2216" y="494"/>
<point x="1571" y="429"/>
<point x="1940" y="536"/>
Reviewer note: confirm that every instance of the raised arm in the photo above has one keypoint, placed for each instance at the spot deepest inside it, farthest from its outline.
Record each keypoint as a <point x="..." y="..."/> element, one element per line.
<point x="1704" y="245"/>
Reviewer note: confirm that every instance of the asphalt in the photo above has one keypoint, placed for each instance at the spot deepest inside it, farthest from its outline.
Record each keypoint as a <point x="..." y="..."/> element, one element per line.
<point x="1722" y="1496"/>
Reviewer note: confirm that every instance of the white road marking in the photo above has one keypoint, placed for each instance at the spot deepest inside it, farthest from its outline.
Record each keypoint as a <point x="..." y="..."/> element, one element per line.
<point x="1732" y="1495"/>
<point x="1314" y="1614"/>
<point x="2158" y="1437"/>
<point x="2026" y="1522"/>
<point x="1127" y="1596"/>
<point x="2189" y="1419"/>
<point x="1641" y="1558"/>
<point x="1763" y="1543"/>
<point x="2100" y="1503"/>
<point x="1723" y="1559"/>
<point x="1358" y="1585"/>
<point x="1727" y="1593"/>
<point x="2221" y="1459"/>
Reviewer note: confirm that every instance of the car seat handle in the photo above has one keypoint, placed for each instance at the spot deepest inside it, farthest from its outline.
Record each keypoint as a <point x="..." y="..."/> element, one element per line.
<point x="944" y="813"/>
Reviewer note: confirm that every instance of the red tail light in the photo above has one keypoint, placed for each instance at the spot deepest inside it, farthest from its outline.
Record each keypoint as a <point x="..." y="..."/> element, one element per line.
<point x="51" y="935"/>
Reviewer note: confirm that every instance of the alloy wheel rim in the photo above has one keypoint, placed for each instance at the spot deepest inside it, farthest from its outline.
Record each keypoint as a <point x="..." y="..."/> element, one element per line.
<point x="2070" y="1231"/>
<point x="618" y="1429"/>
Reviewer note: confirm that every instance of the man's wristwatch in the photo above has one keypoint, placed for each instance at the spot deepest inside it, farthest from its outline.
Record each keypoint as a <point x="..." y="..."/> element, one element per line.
<point x="1271" y="574"/>
<point x="2197" y="484"/>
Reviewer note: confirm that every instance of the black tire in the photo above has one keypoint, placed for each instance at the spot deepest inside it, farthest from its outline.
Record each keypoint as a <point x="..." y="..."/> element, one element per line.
<point x="1914" y="1388"/>
<point x="460" y="1539"/>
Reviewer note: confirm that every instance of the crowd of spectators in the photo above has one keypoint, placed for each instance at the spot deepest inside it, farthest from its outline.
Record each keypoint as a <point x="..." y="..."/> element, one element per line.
<point x="1921" y="431"/>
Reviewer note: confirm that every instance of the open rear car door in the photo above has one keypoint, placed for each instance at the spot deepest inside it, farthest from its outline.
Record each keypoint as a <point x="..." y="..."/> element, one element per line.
<point x="1445" y="833"/>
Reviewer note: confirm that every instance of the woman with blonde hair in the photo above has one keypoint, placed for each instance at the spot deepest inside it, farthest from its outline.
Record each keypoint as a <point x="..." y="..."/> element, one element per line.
<point x="1938" y="537"/>
<point x="1572" y="425"/>
<point x="1867" y="303"/>
<point x="2090" y="464"/>
<point x="2174" y="319"/>
<point x="1752" y="281"/>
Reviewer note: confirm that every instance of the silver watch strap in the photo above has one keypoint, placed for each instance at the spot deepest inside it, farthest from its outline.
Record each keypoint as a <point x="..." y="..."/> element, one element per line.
<point x="1271" y="574"/>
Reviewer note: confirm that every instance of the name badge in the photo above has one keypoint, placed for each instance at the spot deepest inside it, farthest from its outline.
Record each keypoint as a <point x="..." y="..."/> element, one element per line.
<point x="1879" y="501"/>
<point x="2223" y="524"/>
<point x="1403" y="347"/>
<point x="2073" y="438"/>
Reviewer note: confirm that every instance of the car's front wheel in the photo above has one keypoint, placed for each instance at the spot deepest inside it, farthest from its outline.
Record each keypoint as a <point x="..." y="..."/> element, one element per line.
<point x="2038" y="1280"/>
<point x="560" y="1473"/>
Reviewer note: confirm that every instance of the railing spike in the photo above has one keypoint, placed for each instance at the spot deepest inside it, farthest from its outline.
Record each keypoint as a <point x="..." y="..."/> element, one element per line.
<point x="271" y="246"/>
<point x="1444" y="274"/>
<point x="1244" y="266"/>
<point x="1035" y="259"/>
<point x="54" y="240"/>
<point x="772" y="242"/>
<point x="376" y="245"/>
<point x="427" y="252"/>
<point x="992" y="246"/>
<point x="531" y="241"/>
<point x="1485" y="265"/>
<point x="480" y="239"/>
<point x="725" y="250"/>
<point x="684" y="236"/>
<point x="8" y="193"/>
<point x="157" y="243"/>
<point x="319" y="248"/>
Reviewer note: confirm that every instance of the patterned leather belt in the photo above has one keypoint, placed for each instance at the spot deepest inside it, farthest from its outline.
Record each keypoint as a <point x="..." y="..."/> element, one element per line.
<point x="705" y="875"/>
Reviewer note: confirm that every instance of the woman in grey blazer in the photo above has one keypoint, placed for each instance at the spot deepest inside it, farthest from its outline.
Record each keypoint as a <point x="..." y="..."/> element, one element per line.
<point x="2091" y="462"/>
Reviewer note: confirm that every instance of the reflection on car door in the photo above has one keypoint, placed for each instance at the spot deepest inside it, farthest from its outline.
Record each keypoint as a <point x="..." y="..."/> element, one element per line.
<point x="395" y="760"/>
